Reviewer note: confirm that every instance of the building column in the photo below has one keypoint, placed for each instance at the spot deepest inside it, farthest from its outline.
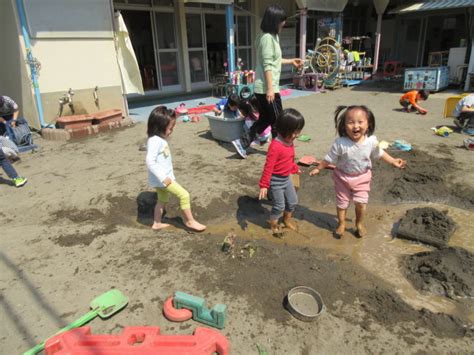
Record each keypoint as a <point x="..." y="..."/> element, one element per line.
<point x="377" y="42"/>
<point x="255" y="28"/>
<point x="303" y="19"/>
<point x="181" y="12"/>
<point x="229" y="19"/>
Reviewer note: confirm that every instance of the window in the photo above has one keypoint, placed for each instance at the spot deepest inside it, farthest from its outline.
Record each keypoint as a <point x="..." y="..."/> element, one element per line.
<point x="139" y="28"/>
<point x="167" y="48"/>
<point x="243" y="42"/>
<point x="153" y="33"/>
<point x="166" y="32"/>
<point x="196" y="48"/>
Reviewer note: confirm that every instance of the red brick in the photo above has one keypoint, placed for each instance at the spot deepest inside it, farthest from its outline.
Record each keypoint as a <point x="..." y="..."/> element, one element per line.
<point x="55" y="134"/>
<point x="80" y="132"/>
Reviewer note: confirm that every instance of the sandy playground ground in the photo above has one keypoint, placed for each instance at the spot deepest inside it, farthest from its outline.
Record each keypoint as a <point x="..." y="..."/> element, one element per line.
<point x="82" y="226"/>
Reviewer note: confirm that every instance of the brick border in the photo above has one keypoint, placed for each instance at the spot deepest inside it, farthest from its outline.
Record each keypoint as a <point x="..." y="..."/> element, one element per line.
<point x="58" y="134"/>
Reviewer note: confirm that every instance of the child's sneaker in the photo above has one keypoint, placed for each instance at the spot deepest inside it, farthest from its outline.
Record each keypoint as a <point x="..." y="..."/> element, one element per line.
<point x="19" y="181"/>
<point x="239" y="148"/>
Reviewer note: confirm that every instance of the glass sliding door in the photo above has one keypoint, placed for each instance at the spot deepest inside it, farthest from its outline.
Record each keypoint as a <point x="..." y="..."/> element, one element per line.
<point x="411" y="39"/>
<point x="243" y="42"/>
<point x="196" y="48"/>
<point x="152" y="26"/>
<point x="216" y="43"/>
<point x="140" y="30"/>
<point x="167" y="52"/>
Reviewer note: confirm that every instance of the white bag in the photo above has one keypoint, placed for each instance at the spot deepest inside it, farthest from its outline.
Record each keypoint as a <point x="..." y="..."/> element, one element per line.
<point x="6" y="142"/>
<point x="10" y="154"/>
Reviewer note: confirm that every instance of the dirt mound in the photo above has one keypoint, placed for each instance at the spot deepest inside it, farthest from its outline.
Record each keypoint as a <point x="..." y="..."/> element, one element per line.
<point x="447" y="271"/>
<point x="425" y="179"/>
<point x="426" y="225"/>
<point x="265" y="279"/>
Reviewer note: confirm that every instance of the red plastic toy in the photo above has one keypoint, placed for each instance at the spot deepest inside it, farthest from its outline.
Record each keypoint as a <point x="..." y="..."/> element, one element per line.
<point x="176" y="315"/>
<point x="137" y="341"/>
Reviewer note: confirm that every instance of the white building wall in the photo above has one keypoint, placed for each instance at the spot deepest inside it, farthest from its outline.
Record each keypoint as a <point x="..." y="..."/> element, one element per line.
<point x="73" y="41"/>
<point x="76" y="63"/>
<point x="14" y="75"/>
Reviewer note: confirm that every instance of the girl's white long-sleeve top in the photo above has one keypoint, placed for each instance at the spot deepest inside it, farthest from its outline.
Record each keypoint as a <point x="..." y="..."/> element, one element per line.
<point x="158" y="161"/>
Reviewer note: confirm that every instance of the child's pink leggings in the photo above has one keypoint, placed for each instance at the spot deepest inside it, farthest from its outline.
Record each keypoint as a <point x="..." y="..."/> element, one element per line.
<point x="351" y="187"/>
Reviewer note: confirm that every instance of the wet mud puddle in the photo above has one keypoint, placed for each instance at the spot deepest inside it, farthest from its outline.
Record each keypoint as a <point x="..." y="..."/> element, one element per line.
<point x="379" y="253"/>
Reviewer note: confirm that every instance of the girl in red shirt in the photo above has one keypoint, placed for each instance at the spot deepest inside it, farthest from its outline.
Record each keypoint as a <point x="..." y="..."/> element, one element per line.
<point x="280" y="164"/>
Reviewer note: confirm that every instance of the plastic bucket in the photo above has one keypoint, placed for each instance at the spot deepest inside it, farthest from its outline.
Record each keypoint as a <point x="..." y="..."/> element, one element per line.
<point x="225" y="129"/>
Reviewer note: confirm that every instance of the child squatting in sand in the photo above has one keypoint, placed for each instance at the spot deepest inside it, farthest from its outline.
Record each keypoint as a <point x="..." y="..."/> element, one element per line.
<point x="160" y="169"/>
<point x="351" y="153"/>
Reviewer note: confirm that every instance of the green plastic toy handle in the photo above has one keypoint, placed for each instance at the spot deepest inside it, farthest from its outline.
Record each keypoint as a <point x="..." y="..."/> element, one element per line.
<point x="76" y="324"/>
<point x="261" y="350"/>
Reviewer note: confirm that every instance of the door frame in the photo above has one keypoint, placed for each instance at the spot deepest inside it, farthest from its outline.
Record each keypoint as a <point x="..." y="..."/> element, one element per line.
<point x="152" y="10"/>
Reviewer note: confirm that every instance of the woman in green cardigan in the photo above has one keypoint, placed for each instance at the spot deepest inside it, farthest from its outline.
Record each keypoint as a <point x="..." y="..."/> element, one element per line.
<point x="267" y="76"/>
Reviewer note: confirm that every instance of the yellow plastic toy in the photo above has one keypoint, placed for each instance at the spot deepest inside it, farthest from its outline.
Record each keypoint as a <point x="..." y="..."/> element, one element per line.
<point x="451" y="103"/>
<point x="442" y="131"/>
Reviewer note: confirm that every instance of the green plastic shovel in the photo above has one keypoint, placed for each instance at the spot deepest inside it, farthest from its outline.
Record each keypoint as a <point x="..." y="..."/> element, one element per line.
<point x="104" y="306"/>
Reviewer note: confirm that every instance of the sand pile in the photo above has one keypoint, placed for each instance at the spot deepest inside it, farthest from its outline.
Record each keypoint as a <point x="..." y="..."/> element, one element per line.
<point x="426" y="225"/>
<point x="447" y="272"/>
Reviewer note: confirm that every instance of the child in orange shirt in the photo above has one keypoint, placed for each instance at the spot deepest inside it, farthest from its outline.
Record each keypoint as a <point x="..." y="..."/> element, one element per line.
<point x="409" y="101"/>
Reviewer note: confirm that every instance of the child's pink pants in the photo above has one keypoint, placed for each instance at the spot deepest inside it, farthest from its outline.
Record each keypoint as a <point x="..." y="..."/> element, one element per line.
<point x="351" y="187"/>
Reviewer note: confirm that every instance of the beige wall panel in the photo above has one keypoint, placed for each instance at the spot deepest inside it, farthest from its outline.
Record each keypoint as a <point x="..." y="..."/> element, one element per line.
<point x="77" y="64"/>
<point x="83" y="100"/>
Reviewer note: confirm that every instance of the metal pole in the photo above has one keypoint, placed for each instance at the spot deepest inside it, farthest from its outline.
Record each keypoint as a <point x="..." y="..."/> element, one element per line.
<point x="32" y="62"/>
<point x="303" y="19"/>
<point x="229" y="19"/>
<point x="377" y="42"/>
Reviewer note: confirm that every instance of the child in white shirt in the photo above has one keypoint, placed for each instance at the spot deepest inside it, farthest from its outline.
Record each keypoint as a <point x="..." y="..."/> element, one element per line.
<point x="160" y="169"/>
<point x="352" y="153"/>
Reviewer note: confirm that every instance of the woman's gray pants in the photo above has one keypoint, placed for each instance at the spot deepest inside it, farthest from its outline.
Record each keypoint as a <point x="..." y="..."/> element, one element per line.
<point x="283" y="195"/>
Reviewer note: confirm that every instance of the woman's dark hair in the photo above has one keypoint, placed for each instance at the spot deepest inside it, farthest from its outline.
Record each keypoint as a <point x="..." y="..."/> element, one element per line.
<point x="288" y="122"/>
<point x="340" y="120"/>
<point x="424" y="94"/>
<point x="233" y="100"/>
<point x="273" y="16"/>
<point x="1" y="100"/>
<point x="159" y="120"/>
<point x="248" y="109"/>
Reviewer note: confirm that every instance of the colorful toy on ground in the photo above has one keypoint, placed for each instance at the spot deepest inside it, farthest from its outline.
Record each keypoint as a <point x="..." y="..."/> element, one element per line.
<point x="181" y="109"/>
<point x="442" y="131"/>
<point x="214" y="317"/>
<point x="402" y="145"/>
<point x="304" y="138"/>
<point x="138" y="341"/>
<point x="176" y="315"/>
<point x="104" y="306"/>
<point x="469" y="143"/>
<point x="308" y="160"/>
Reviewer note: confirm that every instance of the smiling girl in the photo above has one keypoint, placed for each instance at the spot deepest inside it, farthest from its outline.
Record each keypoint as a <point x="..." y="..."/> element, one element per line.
<point x="351" y="153"/>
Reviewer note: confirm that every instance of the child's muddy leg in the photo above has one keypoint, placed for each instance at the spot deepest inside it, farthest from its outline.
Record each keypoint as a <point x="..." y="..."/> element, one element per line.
<point x="360" y="209"/>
